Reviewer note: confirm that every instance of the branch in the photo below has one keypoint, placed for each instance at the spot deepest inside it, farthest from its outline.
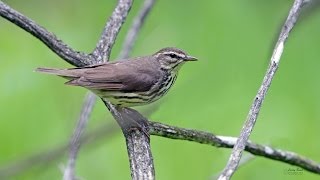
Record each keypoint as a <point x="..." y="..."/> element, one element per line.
<point x="135" y="129"/>
<point x="49" y="39"/>
<point x="133" y="125"/>
<point x="87" y="107"/>
<point x="112" y="27"/>
<point x="110" y="32"/>
<point x="288" y="157"/>
<point x="166" y="131"/>
<point x="138" y="143"/>
<point x="101" y="54"/>
<point x="256" y="106"/>
<point x="137" y="139"/>
<point x="135" y="28"/>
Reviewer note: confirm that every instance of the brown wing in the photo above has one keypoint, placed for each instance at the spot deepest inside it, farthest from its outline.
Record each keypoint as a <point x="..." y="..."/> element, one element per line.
<point x="119" y="76"/>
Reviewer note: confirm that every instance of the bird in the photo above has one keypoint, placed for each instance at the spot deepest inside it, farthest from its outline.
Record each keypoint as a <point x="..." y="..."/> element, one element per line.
<point x="128" y="82"/>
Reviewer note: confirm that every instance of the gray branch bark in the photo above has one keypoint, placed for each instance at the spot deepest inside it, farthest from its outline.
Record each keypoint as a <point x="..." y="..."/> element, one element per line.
<point x="256" y="105"/>
<point x="136" y="137"/>
<point x="134" y="140"/>
<point x="202" y="137"/>
<point x="167" y="131"/>
<point x="69" y="170"/>
<point x="111" y="30"/>
<point x="100" y="54"/>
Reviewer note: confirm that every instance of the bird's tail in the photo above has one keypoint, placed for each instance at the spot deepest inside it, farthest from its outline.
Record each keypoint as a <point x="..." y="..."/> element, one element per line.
<point x="66" y="73"/>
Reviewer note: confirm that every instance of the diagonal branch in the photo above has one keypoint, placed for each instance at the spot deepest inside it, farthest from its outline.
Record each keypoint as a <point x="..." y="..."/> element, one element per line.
<point x="256" y="106"/>
<point x="49" y="39"/>
<point x="135" y="28"/>
<point x="87" y="108"/>
<point x="111" y="30"/>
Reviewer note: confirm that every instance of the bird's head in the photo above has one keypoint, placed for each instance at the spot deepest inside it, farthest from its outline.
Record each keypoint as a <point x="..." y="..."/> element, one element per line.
<point x="172" y="58"/>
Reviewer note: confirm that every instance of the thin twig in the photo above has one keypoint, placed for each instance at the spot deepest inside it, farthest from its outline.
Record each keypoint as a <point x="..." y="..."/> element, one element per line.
<point x="111" y="30"/>
<point x="256" y="106"/>
<point x="87" y="107"/>
<point x="49" y="39"/>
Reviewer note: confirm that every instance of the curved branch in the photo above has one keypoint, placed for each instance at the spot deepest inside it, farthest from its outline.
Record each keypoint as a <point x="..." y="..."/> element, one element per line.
<point x="256" y="105"/>
<point x="110" y="32"/>
<point x="49" y="39"/>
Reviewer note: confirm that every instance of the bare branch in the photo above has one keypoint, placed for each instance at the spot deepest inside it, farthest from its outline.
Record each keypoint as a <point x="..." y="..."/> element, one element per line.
<point x="135" y="28"/>
<point x="87" y="107"/>
<point x="256" y="106"/>
<point x="110" y="32"/>
<point x="135" y="129"/>
<point x="137" y="140"/>
<point x="246" y="158"/>
<point x="114" y="21"/>
<point x="49" y="39"/>
<point x="167" y="131"/>
<point x="138" y="144"/>
<point x="102" y="53"/>
<point x="288" y="157"/>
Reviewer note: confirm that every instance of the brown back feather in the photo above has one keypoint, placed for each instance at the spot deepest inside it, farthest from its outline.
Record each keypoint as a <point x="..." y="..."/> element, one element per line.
<point x="138" y="75"/>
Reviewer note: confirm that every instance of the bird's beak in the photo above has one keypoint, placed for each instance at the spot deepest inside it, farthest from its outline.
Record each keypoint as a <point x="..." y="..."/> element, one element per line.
<point x="191" y="58"/>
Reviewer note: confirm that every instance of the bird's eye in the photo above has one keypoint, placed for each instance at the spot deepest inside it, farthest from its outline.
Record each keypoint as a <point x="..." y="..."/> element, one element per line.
<point x="173" y="56"/>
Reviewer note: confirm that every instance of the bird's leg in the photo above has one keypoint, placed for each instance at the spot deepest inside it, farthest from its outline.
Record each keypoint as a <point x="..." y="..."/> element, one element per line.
<point x="129" y="119"/>
<point x="133" y="120"/>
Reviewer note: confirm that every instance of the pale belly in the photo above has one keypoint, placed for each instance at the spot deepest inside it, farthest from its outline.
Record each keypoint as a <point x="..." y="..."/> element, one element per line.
<point x="128" y="99"/>
<point x="139" y="98"/>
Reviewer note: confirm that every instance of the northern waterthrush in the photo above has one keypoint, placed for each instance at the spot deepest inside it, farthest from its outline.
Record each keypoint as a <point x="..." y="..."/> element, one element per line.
<point x="132" y="82"/>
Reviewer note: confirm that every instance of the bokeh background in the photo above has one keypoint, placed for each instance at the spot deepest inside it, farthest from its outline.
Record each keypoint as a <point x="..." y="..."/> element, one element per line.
<point x="232" y="39"/>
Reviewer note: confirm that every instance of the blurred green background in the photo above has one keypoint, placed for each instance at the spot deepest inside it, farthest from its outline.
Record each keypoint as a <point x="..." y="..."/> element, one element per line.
<point x="232" y="39"/>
